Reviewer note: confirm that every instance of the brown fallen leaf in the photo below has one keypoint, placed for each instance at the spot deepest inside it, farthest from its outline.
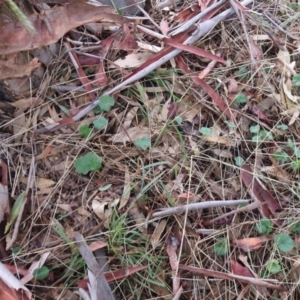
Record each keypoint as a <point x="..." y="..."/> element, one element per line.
<point x="81" y="75"/>
<point x="10" y="69"/>
<point x="238" y="269"/>
<point x="131" y="135"/>
<point x="9" y="293"/>
<point x="269" y="206"/>
<point x="53" y="24"/>
<point x="195" y="50"/>
<point x="249" y="244"/>
<point x="24" y="104"/>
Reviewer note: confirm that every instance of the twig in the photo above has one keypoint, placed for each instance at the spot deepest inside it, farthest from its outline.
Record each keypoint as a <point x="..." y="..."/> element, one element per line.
<point x="249" y="207"/>
<point x="195" y="206"/>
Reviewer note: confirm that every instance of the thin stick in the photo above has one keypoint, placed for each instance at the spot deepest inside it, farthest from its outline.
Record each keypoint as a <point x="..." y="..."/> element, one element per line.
<point x="196" y="206"/>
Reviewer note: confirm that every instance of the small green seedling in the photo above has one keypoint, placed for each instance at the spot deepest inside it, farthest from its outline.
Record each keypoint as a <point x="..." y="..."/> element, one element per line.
<point x="206" y="131"/>
<point x="243" y="73"/>
<point x="178" y="120"/>
<point x="273" y="266"/>
<point x="240" y="99"/>
<point x="281" y="156"/>
<point x="105" y="103"/>
<point x="264" y="226"/>
<point x="261" y="134"/>
<point x="282" y="127"/>
<point x="221" y="247"/>
<point x="41" y="273"/>
<point x="295" y="164"/>
<point x="284" y="242"/>
<point x="59" y="230"/>
<point x="239" y="161"/>
<point x="16" y="250"/>
<point x="230" y="125"/>
<point x="295" y="227"/>
<point x="143" y="143"/>
<point x="296" y="80"/>
<point x="100" y="123"/>
<point x="85" y="130"/>
<point x="87" y="163"/>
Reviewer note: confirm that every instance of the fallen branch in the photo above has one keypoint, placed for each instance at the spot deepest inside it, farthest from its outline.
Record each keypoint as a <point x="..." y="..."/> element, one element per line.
<point x="195" y="206"/>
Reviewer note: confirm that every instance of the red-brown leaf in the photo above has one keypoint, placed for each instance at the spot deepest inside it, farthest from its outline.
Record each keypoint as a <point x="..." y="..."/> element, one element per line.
<point x="262" y="195"/>
<point x="194" y="50"/>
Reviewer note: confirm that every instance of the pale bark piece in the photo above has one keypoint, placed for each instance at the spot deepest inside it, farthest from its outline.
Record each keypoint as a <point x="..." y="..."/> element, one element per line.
<point x="12" y="281"/>
<point x="53" y="24"/>
<point x="102" y="288"/>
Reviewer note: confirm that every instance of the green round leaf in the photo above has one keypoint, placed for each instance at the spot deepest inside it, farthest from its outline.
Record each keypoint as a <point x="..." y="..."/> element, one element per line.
<point x="240" y="99"/>
<point x="85" y="130"/>
<point x="264" y="226"/>
<point x="273" y="266"/>
<point x="100" y="123"/>
<point x="296" y="80"/>
<point x="238" y="161"/>
<point x="295" y="227"/>
<point x="221" y="247"/>
<point x="255" y="129"/>
<point x="143" y="143"/>
<point x="106" y="102"/>
<point x="89" y="162"/>
<point x="178" y="120"/>
<point x="41" y="273"/>
<point x="281" y="156"/>
<point x="16" y="250"/>
<point x="282" y="127"/>
<point x="206" y="131"/>
<point x="284" y="242"/>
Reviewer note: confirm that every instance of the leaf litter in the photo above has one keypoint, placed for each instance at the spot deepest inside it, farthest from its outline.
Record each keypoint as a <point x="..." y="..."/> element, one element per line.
<point x="176" y="118"/>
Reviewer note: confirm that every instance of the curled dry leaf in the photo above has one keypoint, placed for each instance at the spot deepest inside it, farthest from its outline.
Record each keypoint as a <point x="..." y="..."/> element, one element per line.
<point x="172" y="243"/>
<point x="132" y="60"/>
<point x="294" y="111"/>
<point x="155" y="238"/>
<point x="24" y="104"/>
<point x="249" y="244"/>
<point x="131" y="135"/>
<point x="103" y="208"/>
